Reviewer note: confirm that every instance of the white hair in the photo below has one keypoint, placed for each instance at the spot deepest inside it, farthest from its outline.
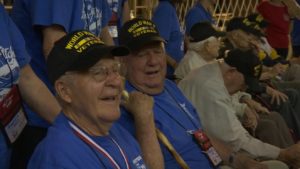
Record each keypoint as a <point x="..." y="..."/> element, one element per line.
<point x="197" y="46"/>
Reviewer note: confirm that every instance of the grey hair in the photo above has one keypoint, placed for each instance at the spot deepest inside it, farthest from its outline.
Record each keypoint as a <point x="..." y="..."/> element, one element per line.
<point x="198" y="46"/>
<point x="68" y="79"/>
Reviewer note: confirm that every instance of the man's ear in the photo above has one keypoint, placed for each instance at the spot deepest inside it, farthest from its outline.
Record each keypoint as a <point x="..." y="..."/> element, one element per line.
<point x="229" y="73"/>
<point x="207" y="45"/>
<point x="63" y="91"/>
<point x="123" y="62"/>
<point x="235" y="35"/>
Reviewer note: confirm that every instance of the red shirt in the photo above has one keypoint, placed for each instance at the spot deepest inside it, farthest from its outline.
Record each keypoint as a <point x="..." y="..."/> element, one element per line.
<point x="277" y="32"/>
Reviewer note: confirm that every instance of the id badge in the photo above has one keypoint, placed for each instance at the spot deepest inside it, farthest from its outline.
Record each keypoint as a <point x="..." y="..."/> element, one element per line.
<point x="12" y="116"/>
<point x="205" y="144"/>
<point x="113" y="31"/>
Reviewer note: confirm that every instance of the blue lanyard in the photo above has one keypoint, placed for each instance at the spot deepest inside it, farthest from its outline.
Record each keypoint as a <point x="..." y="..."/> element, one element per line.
<point x="182" y="109"/>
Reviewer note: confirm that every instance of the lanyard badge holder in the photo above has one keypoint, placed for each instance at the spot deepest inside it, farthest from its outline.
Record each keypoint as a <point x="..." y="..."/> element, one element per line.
<point x="203" y="141"/>
<point x="12" y="116"/>
<point x="112" y="26"/>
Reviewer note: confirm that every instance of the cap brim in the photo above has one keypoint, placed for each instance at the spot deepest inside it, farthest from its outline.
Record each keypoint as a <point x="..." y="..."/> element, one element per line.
<point x="140" y="42"/>
<point x="216" y="34"/>
<point x="119" y="50"/>
<point x="220" y="34"/>
<point x="253" y="32"/>
<point x="97" y="53"/>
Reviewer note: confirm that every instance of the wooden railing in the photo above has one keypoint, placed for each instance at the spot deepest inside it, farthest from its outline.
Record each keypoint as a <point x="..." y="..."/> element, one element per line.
<point x="224" y="10"/>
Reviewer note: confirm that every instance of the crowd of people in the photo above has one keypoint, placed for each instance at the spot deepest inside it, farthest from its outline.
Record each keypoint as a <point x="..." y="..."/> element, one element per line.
<point x="84" y="86"/>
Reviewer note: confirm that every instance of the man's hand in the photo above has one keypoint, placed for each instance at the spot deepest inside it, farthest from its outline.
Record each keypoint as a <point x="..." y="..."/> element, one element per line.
<point x="242" y="161"/>
<point x="279" y="69"/>
<point x="250" y="119"/>
<point x="291" y="155"/>
<point x="254" y="105"/>
<point x="139" y="105"/>
<point x="172" y="62"/>
<point x="276" y="95"/>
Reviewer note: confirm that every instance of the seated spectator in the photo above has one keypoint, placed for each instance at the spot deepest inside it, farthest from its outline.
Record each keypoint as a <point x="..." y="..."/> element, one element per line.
<point x="267" y="126"/>
<point x="200" y="12"/>
<point x="88" y="85"/>
<point x="240" y="32"/>
<point x="276" y="66"/>
<point x="203" y="47"/>
<point x="174" y="115"/>
<point x="209" y="88"/>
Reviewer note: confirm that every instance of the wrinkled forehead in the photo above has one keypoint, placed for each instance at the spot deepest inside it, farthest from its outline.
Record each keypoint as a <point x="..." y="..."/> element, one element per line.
<point x="240" y="32"/>
<point x="149" y="46"/>
<point x="106" y="62"/>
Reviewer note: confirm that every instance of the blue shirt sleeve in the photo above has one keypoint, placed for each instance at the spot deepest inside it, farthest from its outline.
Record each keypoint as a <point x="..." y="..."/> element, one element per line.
<point x="126" y="121"/>
<point x="106" y="13"/>
<point x="195" y="15"/>
<point x="163" y="18"/>
<point x="191" y="18"/>
<point x="17" y="42"/>
<point x="49" y="12"/>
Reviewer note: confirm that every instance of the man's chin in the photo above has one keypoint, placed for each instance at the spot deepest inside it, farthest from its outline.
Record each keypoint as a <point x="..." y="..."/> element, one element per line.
<point x="154" y="89"/>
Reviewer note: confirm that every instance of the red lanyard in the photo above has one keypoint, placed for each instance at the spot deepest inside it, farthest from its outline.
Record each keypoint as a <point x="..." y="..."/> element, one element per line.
<point x="90" y="142"/>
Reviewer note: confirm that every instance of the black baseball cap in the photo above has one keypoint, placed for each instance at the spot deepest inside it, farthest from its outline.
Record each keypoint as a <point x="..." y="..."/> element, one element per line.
<point x="78" y="51"/>
<point x="203" y="30"/>
<point x="247" y="63"/>
<point x="245" y="25"/>
<point x="137" y="32"/>
<point x="258" y="19"/>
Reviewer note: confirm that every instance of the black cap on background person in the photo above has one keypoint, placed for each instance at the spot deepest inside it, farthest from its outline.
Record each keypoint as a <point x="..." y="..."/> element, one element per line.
<point x="247" y="63"/>
<point x="203" y="30"/>
<point x="241" y="23"/>
<point x="258" y="19"/>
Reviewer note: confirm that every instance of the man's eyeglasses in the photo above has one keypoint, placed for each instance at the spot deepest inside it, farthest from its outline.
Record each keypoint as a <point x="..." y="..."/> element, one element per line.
<point x="100" y="73"/>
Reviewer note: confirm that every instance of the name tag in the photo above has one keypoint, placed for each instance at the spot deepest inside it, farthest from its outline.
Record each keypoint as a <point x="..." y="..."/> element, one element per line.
<point x="12" y="116"/>
<point x="113" y="31"/>
<point x="205" y="144"/>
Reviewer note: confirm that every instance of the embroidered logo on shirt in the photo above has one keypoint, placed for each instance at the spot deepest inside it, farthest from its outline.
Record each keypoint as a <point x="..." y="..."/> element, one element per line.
<point x="8" y="67"/>
<point x="113" y="4"/>
<point x="138" y="162"/>
<point x="92" y="17"/>
<point x="184" y="107"/>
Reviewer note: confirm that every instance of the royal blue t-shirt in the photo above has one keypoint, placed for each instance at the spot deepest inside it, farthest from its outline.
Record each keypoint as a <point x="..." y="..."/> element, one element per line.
<point x="196" y="14"/>
<point x="30" y="15"/>
<point x="175" y="117"/>
<point x="62" y="148"/>
<point x="296" y="31"/>
<point x="13" y="56"/>
<point x="166" y="20"/>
